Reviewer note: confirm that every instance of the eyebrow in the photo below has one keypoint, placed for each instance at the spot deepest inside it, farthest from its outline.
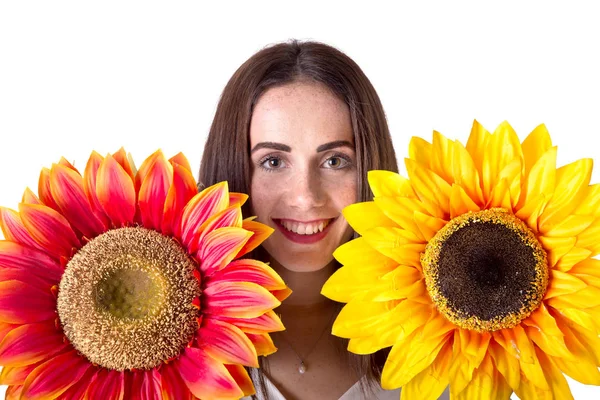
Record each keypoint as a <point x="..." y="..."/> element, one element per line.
<point x="288" y="149"/>
<point x="271" y="145"/>
<point x="334" y="144"/>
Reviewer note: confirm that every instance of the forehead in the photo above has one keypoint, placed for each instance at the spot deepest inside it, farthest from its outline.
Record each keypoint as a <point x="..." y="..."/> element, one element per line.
<point x="304" y="110"/>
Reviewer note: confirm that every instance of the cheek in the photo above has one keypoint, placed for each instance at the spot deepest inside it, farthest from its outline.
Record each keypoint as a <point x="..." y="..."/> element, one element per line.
<point x="343" y="192"/>
<point x="263" y="195"/>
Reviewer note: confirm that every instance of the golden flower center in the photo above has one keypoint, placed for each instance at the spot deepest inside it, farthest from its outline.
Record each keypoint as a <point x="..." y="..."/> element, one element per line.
<point x="125" y="299"/>
<point x="485" y="270"/>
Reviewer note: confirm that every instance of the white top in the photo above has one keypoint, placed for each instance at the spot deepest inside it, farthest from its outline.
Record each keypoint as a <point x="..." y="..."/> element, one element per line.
<point x="354" y="393"/>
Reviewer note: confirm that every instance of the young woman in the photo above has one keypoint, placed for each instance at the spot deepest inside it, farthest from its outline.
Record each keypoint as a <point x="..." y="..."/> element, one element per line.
<point x="297" y="127"/>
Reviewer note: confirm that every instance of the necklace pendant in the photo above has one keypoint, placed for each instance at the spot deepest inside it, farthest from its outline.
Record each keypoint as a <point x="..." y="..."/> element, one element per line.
<point x="302" y="368"/>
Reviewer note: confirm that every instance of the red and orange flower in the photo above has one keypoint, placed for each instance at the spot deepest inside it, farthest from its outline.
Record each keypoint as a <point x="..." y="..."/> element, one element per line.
<point x="120" y="284"/>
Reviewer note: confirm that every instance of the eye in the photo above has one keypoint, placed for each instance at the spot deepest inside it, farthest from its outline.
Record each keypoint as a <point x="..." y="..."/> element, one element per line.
<point x="271" y="163"/>
<point x="337" y="162"/>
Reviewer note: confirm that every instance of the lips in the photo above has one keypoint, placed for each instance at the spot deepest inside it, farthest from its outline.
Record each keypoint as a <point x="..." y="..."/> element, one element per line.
<point x="304" y="232"/>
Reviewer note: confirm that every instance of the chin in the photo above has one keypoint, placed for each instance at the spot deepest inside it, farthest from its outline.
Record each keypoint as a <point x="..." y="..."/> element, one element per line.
<point x="303" y="263"/>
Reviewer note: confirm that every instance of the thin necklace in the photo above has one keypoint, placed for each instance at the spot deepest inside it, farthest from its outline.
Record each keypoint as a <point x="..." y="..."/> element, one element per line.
<point x="303" y="366"/>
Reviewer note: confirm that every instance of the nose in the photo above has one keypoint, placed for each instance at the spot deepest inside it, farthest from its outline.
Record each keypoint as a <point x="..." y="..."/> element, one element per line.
<point x="306" y="190"/>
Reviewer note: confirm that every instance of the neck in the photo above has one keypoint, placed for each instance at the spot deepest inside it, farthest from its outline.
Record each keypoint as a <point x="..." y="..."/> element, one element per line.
<point x="306" y="287"/>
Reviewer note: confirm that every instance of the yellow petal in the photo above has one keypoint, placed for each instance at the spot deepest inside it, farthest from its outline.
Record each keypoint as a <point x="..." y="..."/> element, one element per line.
<point x="350" y="281"/>
<point x="428" y="225"/>
<point x="561" y="283"/>
<point x="397" y="244"/>
<point x="460" y="202"/>
<point x="500" y="196"/>
<point x="430" y="383"/>
<point x="541" y="179"/>
<point x="476" y="144"/>
<point x="469" y="349"/>
<point x="590" y="202"/>
<point x="590" y="237"/>
<point x="365" y="216"/>
<point x="408" y="358"/>
<point x="556" y="247"/>
<point x="572" y="225"/>
<point x="389" y="184"/>
<point x="430" y="187"/>
<point x="465" y="173"/>
<point x="401" y="211"/>
<point x="559" y="387"/>
<point x="358" y="251"/>
<point x="571" y="183"/>
<point x="487" y="383"/>
<point x="501" y="149"/>
<point x="506" y="363"/>
<point x="543" y="330"/>
<point x="361" y="318"/>
<point x="534" y="146"/>
<point x="420" y="150"/>
<point x="394" y="327"/>
<point x="442" y="157"/>
<point x="574" y="256"/>
<point x="516" y="343"/>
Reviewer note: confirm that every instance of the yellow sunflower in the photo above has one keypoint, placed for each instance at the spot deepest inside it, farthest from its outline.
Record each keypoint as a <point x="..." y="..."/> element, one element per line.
<point x="124" y="284"/>
<point x="477" y="270"/>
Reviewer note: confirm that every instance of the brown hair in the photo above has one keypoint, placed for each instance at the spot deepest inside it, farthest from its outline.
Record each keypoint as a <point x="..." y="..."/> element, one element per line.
<point x="226" y="153"/>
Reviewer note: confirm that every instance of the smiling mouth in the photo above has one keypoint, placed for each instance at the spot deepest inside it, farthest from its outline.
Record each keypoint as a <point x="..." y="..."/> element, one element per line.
<point x="304" y="228"/>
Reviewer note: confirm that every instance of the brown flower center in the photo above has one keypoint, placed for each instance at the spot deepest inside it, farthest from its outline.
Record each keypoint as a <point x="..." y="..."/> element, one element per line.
<point x="125" y="299"/>
<point x="485" y="270"/>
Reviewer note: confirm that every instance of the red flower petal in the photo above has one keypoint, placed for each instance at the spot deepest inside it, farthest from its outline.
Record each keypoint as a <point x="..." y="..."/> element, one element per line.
<point x="50" y="229"/>
<point x="201" y="207"/>
<point x="29" y="261"/>
<point x="107" y="385"/>
<point x="238" y="300"/>
<point x="206" y="377"/>
<point x="173" y="387"/>
<point x="242" y="378"/>
<point x="145" y="168"/>
<point x="121" y="157"/>
<point x="29" y="197"/>
<point x="4" y="329"/>
<point x="44" y="189"/>
<point x="145" y="385"/>
<point x="16" y="375"/>
<point x="237" y="199"/>
<point x="55" y="376"/>
<point x="268" y="322"/>
<point x="230" y="217"/>
<point x="89" y="185"/>
<point x="29" y="344"/>
<point x="41" y="284"/>
<point x="180" y="193"/>
<point x="80" y="388"/>
<point x="181" y="160"/>
<point x="14" y="230"/>
<point x="226" y="343"/>
<point x="248" y="270"/>
<point x="115" y="192"/>
<point x="21" y="303"/>
<point x="14" y="392"/>
<point x="261" y="233"/>
<point x="263" y="344"/>
<point x="282" y="294"/>
<point x="66" y="186"/>
<point x="153" y="192"/>
<point x="219" y="247"/>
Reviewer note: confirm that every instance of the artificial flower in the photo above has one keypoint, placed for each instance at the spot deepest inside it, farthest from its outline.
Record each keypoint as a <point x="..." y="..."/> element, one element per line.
<point x="121" y="284"/>
<point x="477" y="270"/>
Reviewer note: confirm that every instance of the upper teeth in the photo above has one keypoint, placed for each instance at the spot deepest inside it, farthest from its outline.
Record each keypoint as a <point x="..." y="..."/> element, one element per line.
<point x="303" y="228"/>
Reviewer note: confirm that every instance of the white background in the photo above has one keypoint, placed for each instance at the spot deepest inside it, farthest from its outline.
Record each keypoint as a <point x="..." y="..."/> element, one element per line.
<point x="76" y="77"/>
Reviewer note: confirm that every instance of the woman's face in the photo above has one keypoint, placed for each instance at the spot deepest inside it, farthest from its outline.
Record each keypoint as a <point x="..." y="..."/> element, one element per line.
<point x="303" y="173"/>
